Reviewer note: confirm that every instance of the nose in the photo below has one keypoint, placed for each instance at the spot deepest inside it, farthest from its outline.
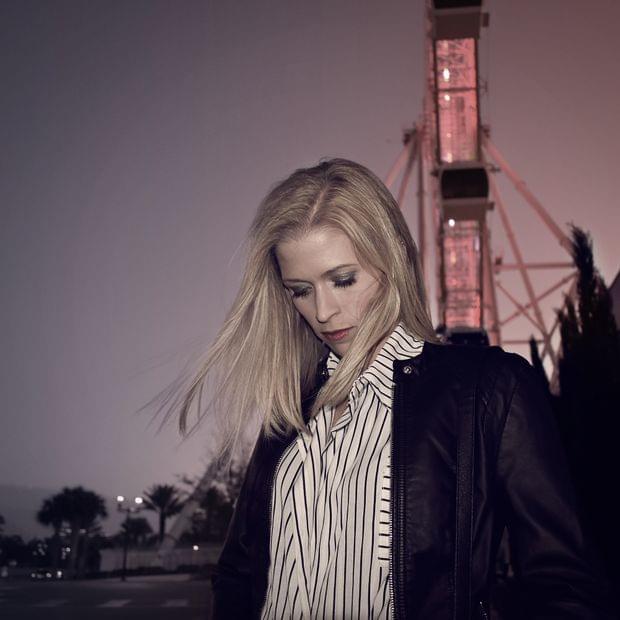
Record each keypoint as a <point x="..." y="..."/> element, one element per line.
<point x="325" y="305"/>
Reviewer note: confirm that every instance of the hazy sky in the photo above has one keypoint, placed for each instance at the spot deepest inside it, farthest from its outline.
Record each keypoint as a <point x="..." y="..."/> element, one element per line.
<point x="139" y="136"/>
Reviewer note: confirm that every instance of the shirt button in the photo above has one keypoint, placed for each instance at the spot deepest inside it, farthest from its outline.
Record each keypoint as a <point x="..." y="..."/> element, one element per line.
<point x="408" y="369"/>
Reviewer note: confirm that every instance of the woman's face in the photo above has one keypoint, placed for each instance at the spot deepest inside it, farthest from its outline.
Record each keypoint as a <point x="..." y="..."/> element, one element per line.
<point x="329" y="287"/>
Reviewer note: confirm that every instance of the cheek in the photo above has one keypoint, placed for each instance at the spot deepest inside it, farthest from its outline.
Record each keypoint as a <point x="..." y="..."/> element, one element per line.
<point x="302" y="307"/>
<point x="366" y="297"/>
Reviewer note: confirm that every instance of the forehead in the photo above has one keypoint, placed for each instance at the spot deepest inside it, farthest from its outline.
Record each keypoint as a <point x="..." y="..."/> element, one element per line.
<point x="315" y="252"/>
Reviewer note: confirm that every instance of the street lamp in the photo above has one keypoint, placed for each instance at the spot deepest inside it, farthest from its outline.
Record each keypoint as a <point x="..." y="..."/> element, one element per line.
<point x="128" y="510"/>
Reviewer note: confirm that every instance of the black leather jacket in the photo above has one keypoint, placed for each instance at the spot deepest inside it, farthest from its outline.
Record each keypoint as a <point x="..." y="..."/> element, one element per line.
<point x="519" y="481"/>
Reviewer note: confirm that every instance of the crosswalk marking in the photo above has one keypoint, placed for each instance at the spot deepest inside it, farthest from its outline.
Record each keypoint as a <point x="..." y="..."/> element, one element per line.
<point x="53" y="602"/>
<point x="116" y="602"/>
<point x="176" y="602"/>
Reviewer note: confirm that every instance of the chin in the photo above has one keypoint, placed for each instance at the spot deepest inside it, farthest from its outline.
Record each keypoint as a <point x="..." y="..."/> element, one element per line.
<point x="339" y="349"/>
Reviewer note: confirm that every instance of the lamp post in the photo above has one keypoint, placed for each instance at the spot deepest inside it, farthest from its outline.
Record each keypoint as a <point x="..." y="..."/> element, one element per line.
<point x="128" y="510"/>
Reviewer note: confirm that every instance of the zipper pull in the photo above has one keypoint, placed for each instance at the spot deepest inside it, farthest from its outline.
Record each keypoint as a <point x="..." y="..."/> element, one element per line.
<point x="483" y="611"/>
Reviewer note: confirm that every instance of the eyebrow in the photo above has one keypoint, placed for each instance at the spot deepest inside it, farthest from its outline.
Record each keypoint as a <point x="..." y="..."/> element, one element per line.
<point x="327" y="274"/>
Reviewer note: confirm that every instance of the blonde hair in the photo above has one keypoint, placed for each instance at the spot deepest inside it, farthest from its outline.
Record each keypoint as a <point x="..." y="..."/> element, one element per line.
<point x="265" y="357"/>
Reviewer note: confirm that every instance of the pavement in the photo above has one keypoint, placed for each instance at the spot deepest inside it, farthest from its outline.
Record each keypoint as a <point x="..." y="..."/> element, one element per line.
<point x="154" y="597"/>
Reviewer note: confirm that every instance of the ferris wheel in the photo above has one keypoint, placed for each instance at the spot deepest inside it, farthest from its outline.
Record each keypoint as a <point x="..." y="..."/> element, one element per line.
<point x="457" y="190"/>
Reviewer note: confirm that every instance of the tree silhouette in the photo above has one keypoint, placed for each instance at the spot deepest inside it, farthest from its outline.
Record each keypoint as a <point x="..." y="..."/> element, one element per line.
<point x="80" y="509"/>
<point x="13" y="549"/>
<point x="137" y="529"/>
<point x="51" y="514"/>
<point x="165" y="500"/>
<point x="537" y="363"/>
<point x="588" y="407"/>
<point x="38" y="552"/>
<point x="210" y="522"/>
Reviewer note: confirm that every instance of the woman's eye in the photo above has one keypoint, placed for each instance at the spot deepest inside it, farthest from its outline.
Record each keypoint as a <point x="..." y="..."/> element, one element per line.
<point x="345" y="282"/>
<point x="303" y="292"/>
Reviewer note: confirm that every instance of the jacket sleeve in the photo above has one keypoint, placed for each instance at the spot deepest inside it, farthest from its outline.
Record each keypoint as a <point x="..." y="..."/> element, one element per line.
<point x="232" y="591"/>
<point x="553" y="567"/>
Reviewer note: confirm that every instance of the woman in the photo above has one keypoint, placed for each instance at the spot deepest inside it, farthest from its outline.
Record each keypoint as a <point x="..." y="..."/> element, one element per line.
<point x="387" y="465"/>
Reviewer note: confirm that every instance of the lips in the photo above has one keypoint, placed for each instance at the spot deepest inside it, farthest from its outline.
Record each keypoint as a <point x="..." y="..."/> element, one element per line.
<point x="337" y="335"/>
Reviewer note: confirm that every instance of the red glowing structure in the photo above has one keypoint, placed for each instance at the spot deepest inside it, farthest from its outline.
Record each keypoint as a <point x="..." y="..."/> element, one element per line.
<point x="456" y="162"/>
<point x="463" y="184"/>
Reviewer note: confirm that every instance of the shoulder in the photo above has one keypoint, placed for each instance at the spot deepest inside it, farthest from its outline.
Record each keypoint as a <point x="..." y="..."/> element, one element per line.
<point x="492" y="374"/>
<point x="472" y="361"/>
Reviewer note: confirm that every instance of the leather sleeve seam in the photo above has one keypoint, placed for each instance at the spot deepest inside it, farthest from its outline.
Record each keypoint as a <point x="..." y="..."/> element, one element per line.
<point x="504" y="424"/>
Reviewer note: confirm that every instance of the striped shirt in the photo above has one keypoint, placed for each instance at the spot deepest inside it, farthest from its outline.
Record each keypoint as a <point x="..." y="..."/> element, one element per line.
<point x="330" y="519"/>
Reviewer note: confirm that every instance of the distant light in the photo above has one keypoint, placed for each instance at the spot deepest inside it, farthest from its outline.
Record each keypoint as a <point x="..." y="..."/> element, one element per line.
<point x="195" y="547"/>
<point x="446" y="97"/>
<point x="451" y="223"/>
<point x="446" y="74"/>
<point x="138" y="500"/>
<point x="58" y="574"/>
<point x="120" y="499"/>
<point x="67" y="549"/>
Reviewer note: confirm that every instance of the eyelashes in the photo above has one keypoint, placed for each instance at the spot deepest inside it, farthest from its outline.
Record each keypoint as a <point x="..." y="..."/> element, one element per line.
<point x="300" y="293"/>
<point x="338" y="283"/>
<point x="348" y="281"/>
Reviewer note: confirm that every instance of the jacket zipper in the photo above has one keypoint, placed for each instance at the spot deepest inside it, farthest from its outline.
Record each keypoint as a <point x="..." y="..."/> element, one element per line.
<point x="396" y="608"/>
<point x="391" y="575"/>
<point x="483" y="611"/>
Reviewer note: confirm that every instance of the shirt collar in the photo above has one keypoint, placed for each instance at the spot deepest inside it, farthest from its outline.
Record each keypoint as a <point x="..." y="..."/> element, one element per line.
<point x="400" y="345"/>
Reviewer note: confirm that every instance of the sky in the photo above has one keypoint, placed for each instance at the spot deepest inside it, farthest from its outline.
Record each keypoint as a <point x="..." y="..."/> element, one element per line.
<point x="139" y="137"/>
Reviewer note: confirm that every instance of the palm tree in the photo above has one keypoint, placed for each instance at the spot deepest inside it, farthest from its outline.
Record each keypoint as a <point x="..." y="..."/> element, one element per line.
<point x="52" y="514"/>
<point x="164" y="499"/>
<point x="83" y="509"/>
<point x="80" y="509"/>
<point x="136" y="529"/>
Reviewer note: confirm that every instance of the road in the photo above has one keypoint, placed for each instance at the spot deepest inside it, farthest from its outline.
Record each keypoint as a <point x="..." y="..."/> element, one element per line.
<point x="160" y="597"/>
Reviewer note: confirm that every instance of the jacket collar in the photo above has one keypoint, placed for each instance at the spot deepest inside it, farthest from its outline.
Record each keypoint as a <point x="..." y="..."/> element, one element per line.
<point x="400" y="347"/>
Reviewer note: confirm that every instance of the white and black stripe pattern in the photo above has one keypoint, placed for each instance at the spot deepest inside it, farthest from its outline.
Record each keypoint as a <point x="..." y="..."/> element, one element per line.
<point x="330" y="521"/>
